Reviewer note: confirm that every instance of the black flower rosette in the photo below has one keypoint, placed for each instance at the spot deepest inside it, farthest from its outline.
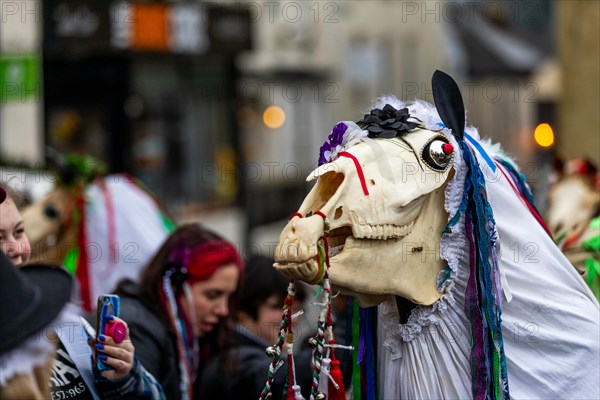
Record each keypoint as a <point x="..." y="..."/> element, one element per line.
<point x="388" y="123"/>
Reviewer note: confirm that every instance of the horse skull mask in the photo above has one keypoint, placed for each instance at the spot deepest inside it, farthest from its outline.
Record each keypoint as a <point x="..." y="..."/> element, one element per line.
<point x="390" y="235"/>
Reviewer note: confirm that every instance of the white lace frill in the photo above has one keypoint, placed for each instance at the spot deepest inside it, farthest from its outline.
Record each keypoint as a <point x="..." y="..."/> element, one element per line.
<point x="33" y="352"/>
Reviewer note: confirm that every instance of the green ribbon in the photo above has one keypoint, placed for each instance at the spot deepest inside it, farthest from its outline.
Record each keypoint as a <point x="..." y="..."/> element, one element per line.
<point x="86" y="169"/>
<point x="70" y="262"/>
<point x="593" y="276"/>
<point x="72" y="256"/>
<point x="321" y="268"/>
<point x="592" y="263"/>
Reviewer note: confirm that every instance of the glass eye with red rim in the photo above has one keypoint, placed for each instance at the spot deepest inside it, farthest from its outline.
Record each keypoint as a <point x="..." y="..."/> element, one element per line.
<point x="438" y="153"/>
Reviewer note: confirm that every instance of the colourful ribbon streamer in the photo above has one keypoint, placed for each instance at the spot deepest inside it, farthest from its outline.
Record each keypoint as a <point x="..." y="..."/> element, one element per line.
<point x="356" y="383"/>
<point x="488" y="363"/>
<point x="370" y="327"/>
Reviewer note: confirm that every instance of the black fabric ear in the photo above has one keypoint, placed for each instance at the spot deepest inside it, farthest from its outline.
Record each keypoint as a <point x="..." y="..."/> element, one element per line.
<point x="449" y="102"/>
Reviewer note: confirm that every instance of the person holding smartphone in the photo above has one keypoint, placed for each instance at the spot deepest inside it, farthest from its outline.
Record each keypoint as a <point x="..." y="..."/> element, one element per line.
<point x="178" y="312"/>
<point x="72" y="371"/>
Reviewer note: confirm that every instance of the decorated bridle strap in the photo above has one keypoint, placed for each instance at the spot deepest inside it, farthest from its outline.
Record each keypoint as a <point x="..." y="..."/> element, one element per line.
<point x="359" y="170"/>
<point x="296" y="214"/>
<point x="321" y="214"/>
<point x="275" y="350"/>
<point x="324" y="250"/>
<point x="289" y="342"/>
<point x="319" y="351"/>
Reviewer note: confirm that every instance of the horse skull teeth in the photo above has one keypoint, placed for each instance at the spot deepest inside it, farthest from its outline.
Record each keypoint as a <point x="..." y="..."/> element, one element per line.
<point x="371" y="233"/>
<point x="381" y="232"/>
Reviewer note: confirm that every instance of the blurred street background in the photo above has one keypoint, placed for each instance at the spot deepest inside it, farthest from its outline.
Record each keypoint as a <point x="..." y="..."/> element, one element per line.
<point x="220" y="107"/>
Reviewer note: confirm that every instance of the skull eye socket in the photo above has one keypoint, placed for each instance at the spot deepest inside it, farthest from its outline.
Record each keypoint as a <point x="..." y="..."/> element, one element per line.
<point x="326" y="187"/>
<point x="437" y="153"/>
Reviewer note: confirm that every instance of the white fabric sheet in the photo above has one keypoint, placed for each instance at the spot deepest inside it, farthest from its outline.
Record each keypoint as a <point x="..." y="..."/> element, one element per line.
<point x="550" y="328"/>
<point x="139" y="233"/>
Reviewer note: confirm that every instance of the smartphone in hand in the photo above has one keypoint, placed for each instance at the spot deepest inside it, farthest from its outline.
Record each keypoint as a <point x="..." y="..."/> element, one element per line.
<point x="107" y="305"/>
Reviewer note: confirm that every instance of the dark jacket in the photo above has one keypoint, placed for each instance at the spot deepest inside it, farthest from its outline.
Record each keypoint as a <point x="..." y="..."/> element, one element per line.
<point x="155" y="343"/>
<point x="241" y="373"/>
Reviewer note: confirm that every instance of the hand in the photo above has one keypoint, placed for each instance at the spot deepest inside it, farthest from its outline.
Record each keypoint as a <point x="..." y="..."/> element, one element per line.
<point x="117" y="355"/>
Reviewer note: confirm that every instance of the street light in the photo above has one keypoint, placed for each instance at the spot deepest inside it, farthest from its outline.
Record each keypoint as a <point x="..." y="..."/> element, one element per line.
<point x="274" y="117"/>
<point x="543" y="135"/>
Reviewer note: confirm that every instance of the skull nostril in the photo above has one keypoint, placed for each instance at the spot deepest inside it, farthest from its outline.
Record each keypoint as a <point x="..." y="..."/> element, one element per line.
<point x="338" y="213"/>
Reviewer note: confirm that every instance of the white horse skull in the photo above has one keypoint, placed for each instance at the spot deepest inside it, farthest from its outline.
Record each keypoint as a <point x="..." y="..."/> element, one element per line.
<point x="383" y="205"/>
<point x="388" y="231"/>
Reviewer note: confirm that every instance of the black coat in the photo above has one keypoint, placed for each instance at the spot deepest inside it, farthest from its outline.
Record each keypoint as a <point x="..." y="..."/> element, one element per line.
<point x="241" y="373"/>
<point x="155" y="343"/>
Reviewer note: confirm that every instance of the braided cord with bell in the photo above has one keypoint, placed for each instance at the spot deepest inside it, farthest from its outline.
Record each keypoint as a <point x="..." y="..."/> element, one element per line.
<point x="275" y="350"/>
<point x="322" y="321"/>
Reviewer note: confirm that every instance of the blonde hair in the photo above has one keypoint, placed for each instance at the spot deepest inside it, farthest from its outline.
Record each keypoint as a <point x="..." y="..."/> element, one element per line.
<point x="34" y="385"/>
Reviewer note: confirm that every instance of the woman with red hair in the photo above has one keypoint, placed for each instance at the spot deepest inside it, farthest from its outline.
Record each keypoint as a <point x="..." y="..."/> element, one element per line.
<point x="177" y="314"/>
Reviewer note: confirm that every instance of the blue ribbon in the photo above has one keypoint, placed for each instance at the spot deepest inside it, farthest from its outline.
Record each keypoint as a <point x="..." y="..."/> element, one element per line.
<point x="485" y="156"/>
<point x="480" y="149"/>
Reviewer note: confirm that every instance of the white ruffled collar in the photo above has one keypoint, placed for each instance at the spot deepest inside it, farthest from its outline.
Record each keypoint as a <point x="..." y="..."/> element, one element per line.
<point x="34" y="351"/>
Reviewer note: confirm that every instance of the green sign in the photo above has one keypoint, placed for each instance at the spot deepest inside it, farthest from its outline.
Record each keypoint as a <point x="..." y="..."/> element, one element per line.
<point x="20" y="78"/>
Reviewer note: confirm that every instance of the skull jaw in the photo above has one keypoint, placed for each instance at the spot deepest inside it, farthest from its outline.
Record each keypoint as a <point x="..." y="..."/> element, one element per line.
<point x="373" y="270"/>
<point x="406" y="267"/>
<point x="410" y="276"/>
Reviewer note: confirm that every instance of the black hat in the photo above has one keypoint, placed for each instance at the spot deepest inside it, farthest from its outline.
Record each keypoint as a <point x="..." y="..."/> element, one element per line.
<point x="2" y="194"/>
<point x="31" y="297"/>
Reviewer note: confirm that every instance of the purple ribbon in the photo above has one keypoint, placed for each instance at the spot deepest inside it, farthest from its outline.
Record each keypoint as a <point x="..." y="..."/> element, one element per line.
<point x="478" y="367"/>
<point x="361" y="347"/>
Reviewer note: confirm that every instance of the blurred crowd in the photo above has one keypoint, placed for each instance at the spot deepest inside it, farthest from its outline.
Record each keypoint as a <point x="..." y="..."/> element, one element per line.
<point x="198" y="321"/>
